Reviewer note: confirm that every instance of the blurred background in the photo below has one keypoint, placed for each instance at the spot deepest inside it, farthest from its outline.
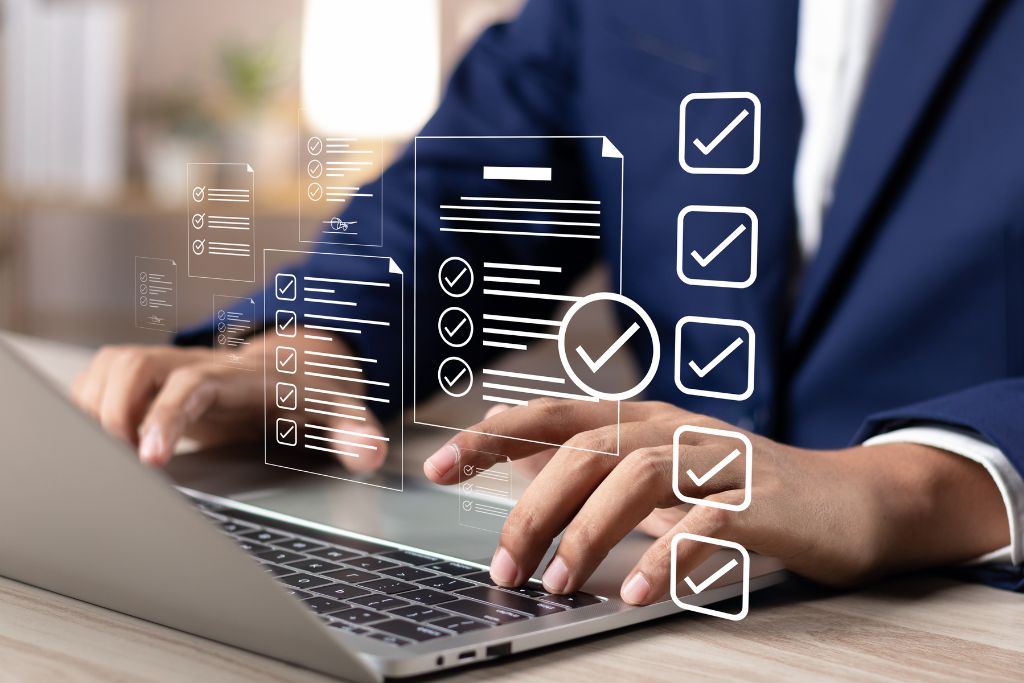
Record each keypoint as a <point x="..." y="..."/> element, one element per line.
<point x="104" y="102"/>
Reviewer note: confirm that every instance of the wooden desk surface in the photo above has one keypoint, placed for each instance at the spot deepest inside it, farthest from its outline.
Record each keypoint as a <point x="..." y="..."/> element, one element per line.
<point x="911" y="628"/>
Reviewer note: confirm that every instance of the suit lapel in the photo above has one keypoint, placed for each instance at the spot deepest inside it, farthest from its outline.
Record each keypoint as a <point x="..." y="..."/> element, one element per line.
<point x="918" y="49"/>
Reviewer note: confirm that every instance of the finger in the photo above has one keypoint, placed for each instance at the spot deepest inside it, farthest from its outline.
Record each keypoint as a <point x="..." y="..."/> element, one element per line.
<point x="525" y="430"/>
<point x="558" y="492"/>
<point x="362" y="442"/>
<point x="132" y="380"/>
<point x="627" y="495"/>
<point x="648" y="582"/>
<point x="88" y="388"/>
<point x="185" y="397"/>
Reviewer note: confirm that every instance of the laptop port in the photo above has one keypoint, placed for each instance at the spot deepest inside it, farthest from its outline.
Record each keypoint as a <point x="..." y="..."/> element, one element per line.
<point x="468" y="654"/>
<point x="499" y="650"/>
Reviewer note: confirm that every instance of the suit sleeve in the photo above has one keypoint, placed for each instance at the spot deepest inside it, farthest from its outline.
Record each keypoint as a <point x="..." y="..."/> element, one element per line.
<point x="517" y="80"/>
<point x="992" y="412"/>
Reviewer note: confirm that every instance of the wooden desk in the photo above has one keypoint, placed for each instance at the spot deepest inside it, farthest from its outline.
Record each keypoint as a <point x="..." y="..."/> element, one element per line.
<point x="912" y="628"/>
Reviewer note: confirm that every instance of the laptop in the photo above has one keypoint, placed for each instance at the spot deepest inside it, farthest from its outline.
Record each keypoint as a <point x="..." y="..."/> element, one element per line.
<point x="353" y="581"/>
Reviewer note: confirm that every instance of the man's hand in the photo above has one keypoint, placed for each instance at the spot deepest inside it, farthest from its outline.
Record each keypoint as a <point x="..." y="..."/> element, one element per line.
<point x="838" y="517"/>
<point x="153" y="396"/>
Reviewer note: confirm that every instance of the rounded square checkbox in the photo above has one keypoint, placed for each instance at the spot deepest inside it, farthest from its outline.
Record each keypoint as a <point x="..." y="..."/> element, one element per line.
<point x="285" y="287"/>
<point x="286" y="323"/>
<point x="286" y="431"/>
<point x="714" y="358"/>
<point x="716" y="246"/>
<point x="720" y="132"/>
<point x="286" y="360"/>
<point x="730" y="452"/>
<point x="715" y="573"/>
<point x="286" y="396"/>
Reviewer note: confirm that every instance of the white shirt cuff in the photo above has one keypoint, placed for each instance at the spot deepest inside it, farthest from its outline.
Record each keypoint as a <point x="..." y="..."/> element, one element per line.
<point x="973" y="447"/>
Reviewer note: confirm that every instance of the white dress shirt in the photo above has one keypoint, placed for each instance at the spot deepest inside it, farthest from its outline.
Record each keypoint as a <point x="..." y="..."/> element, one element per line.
<point x="836" y="45"/>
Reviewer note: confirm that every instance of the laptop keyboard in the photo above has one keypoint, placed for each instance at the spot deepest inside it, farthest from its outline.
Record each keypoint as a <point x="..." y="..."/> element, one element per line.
<point x="394" y="596"/>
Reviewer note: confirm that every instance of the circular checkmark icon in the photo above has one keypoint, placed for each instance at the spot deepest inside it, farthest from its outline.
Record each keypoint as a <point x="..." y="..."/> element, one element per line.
<point x="455" y="327"/>
<point x="455" y="377"/>
<point x="314" y="168"/>
<point x="455" y="276"/>
<point x="314" y="145"/>
<point x="583" y="362"/>
<point x="198" y="193"/>
<point x="315" y="191"/>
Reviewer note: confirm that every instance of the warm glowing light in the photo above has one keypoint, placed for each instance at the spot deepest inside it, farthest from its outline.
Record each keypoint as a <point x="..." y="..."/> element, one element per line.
<point x="370" y="67"/>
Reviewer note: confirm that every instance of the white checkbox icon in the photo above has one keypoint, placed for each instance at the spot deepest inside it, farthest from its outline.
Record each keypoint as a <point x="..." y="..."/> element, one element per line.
<point x="285" y="287"/>
<point x="694" y="263"/>
<point x="731" y="446"/>
<point x="287" y="323"/>
<point x="697" y="376"/>
<point x="708" y="576"/>
<point x="286" y="360"/>
<point x="287" y="431"/>
<point x="698" y="143"/>
<point x="287" y="396"/>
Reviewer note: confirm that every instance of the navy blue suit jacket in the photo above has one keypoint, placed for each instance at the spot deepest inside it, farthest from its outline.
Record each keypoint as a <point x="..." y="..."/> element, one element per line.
<point x="913" y="308"/>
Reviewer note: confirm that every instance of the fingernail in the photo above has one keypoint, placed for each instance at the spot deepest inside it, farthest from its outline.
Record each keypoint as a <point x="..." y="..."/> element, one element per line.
<point x="152" y="446"/>
<point x="556" y="576"/>
<point x="503" y="568"/>
<point x="444" y="460"/>
<point x="636" y="589"/>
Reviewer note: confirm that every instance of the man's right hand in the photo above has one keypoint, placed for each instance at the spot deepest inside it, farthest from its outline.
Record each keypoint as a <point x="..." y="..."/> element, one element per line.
<point x="153" y="396"/>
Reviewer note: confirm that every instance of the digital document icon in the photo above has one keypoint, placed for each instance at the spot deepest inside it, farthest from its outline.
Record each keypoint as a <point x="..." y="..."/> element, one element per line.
<point x="221" y="231"/>
<point x="714" y="358"/>
<point x="156" y="294"/>
<point x="732" y="452"/>
<point x="716" y="246"/>
<point x="720" y="132"/>
<point x="718" y="571"/>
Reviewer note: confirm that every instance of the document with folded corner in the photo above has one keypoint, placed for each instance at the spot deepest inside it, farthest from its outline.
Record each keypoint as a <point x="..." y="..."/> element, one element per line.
<point x="503" y="291"/>
<point x="221" y="234"/>
<point x="156" y="294"/>
<point x="320" y="396"/>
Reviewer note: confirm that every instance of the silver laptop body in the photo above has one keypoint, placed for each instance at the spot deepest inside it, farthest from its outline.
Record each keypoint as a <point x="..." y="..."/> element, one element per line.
<point x="81" y="517"/>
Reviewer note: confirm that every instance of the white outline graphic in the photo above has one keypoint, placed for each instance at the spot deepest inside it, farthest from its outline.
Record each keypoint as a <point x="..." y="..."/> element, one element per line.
<point x="709" y="366"/>
<point x="446" y="382"/>
<point x="238" y="226"/>
<point x="652" y="370"/>
<point x="447" y="285"/>
<point x="703" y="261"/>
<point x="700" y="480"/>
<point x="700" y="588"/>
<point x="447" y="332"/>
<point x="145" y="306"/>
<point x="707" y="148"/>
<point x="234" y="329"/>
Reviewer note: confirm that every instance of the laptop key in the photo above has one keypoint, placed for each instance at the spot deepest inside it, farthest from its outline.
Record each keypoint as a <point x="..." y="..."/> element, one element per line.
<point x="519" y="603"/>
<point x="452" y="568"/>
<point x="372" y="564"/>
<point x="419" y="613"/>
<point x="359" y="615"/>
<point x="389" y="586"/>
<point x="389" y="638"/>
<point x="305" y="581"/>
<point x="322" y="605"/>
<point x="379" y="602"/>
<point x="234" y="527"/>
<point x="276" y="570"/>
<point x="445" y="583"/>
<point x="528" y="592"/>
<point x="407" y="629"/>
<point x="299" y="545"/>
<point x="490" y="613"/>
<point x="263" y="536"/>
<point x="352" y="575"/>
<point x="340" y="590"/>
<point x="301" y="595"/>
<point x="427" y="596"/>
<point x="461" y="624"/>
<point x="335" y="554"/>
<point x="250" y="547"/>
<point x="409" y="557"/>
<point x="315" y="566"/>
<point x="279" y="556"/>
<point x="347" y="627"/>
<point x="407" y="573"/>
<point x="479" y="577"/>
<point x="573" y="600"/>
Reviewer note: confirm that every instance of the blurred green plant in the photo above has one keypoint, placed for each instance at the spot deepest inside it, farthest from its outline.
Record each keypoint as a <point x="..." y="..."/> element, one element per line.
<point x="252" y="73"/>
